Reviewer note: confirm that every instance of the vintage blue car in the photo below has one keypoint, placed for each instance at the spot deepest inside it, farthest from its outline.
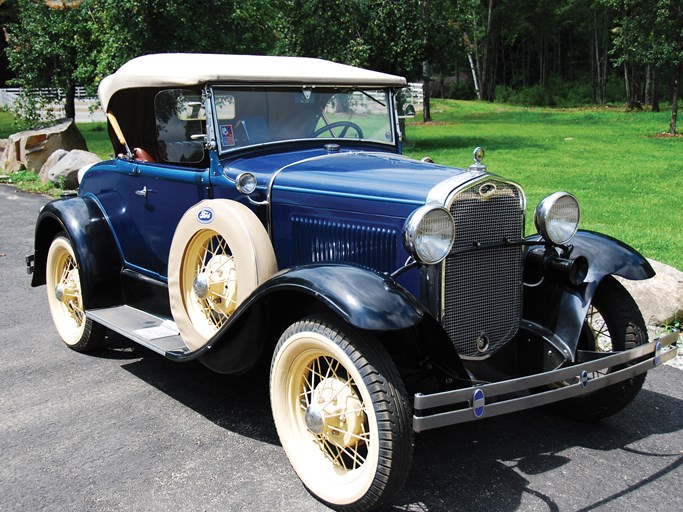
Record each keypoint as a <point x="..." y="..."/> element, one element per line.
<point x="260" y="208"/>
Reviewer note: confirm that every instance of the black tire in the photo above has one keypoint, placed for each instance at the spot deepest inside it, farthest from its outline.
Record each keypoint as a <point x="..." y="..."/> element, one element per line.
<point x="65" y="297"/>
<point x="342" y="414"/>
<point x="614" y="323"/>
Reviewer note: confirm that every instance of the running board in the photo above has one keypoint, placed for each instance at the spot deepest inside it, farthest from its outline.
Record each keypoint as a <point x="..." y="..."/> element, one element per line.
<point x="156" y="333"/>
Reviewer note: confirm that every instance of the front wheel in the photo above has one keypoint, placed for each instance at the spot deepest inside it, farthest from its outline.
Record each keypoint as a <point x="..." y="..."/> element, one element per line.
<point x="342" y="414"/>
<point x="613" y="324"/>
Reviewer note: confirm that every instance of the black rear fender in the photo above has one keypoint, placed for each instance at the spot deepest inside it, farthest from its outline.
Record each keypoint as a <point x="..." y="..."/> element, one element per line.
<point x="97" y="253"/>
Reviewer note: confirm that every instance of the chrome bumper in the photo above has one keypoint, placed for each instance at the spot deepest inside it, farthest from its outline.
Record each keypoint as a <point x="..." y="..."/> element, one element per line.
<point x="472" y="402"/>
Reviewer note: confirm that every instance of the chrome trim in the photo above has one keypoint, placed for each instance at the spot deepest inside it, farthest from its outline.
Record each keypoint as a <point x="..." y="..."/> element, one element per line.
<point x="442" y="190"/>
<point x="543" y="210"/>
<point x="507" y="405"/>
<point x="412" y="225"/>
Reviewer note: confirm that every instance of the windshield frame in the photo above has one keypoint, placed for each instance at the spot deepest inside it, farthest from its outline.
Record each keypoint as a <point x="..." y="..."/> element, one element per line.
<point x="389" y="93"/>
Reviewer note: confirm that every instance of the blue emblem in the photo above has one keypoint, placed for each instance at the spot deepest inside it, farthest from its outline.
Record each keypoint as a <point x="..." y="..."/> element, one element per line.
<point x="205" y="215"/>
<point x="583" y="379"/>
<point x="658" y="352"/>
<point x="478" y="402"/>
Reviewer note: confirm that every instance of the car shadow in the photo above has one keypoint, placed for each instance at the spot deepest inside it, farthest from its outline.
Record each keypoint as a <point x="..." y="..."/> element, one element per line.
<point x="474" y="467"/>
<point x="483" y="466"/>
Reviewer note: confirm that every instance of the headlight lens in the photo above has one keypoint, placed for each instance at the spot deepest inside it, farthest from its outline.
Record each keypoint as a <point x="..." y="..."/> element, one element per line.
<point x="557" y="217"/>
<point x="429" y="233"/>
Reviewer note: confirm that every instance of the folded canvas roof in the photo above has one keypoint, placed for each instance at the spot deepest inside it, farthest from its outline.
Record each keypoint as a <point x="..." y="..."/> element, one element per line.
<point x="191" y="69"/>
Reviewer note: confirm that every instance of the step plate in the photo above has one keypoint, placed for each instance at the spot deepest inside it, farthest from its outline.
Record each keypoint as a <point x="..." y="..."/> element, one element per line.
<point x="156" y="333"/>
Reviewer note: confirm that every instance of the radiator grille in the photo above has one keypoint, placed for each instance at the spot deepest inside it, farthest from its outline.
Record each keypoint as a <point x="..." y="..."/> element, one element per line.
<point x="318" y="240"/>
<point x="483" y="288"/>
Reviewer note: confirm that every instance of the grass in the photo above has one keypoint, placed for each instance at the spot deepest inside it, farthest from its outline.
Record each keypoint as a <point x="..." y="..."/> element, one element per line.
<point x="629" y="182"/>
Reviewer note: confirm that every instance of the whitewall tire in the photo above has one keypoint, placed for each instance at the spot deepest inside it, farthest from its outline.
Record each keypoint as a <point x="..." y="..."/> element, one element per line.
<point x="342" y="414"/>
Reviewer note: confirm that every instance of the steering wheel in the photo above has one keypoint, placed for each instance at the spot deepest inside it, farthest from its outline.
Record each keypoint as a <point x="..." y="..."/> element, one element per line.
<point x="337" y="124"/>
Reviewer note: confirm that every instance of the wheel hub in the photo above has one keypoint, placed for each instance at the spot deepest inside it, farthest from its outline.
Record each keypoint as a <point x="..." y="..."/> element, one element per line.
<point x="201" y="285"/>
<point x="315" y="420"/>
<point x="336" y="412"/>
<point x="59" y="292"/>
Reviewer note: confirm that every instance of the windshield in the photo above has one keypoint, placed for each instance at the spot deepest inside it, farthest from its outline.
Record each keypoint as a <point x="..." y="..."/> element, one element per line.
<point x="249" y="116"/>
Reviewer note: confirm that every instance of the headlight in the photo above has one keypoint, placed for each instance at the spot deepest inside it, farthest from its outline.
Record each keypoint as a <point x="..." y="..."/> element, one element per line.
<point x="557" y="217"/>
<point x="429" y="233"/>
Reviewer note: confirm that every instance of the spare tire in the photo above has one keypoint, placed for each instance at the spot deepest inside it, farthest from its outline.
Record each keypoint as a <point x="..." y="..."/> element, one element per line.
<point x="219" y="254"/>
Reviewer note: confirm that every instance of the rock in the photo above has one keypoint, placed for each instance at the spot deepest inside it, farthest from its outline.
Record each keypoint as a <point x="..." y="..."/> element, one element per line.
<point x="68" y="166"/>
<point x="52" y="160"/>
<point x="661" y="298"/>
<point x="30" y="149"/>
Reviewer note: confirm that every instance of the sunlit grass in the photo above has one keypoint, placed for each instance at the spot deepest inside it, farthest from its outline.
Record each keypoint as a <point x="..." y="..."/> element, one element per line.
<point x="629" y="182"/>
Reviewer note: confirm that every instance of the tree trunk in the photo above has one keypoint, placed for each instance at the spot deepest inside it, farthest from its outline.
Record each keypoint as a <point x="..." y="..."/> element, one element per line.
<point x="674" y="99"/>
<point x="473" y="67"/>
<point x="655" y="92"/>
<point x="70" y="102"/>
<point x="426" y="111"/>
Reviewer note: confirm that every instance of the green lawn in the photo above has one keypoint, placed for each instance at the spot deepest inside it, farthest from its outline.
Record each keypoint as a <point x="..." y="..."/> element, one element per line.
<point x="629" y="183"/>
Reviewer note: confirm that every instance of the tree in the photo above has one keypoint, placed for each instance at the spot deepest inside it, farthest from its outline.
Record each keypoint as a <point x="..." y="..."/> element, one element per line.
<point x="59" y="44"/>
<point x="649" y="33"/>
<point x="45" y="45"/>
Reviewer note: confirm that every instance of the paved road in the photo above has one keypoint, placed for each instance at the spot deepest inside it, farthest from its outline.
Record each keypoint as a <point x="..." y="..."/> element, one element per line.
<point x="125" y="429"/>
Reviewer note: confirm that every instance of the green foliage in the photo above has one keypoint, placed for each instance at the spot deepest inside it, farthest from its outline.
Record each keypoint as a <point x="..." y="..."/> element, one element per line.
<point x="29" y="181"/>
<point x="603" y="156"/>
<point x="384" y="36"/>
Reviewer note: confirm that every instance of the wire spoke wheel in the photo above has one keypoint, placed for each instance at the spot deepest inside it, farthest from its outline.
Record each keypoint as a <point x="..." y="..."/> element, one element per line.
<point x="209" y="283"/>
<point x="342" y="415"/>
<point x="65" y="297"/>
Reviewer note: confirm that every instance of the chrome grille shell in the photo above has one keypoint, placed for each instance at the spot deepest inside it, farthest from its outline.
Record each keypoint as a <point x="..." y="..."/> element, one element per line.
<point x="481" y="290"/>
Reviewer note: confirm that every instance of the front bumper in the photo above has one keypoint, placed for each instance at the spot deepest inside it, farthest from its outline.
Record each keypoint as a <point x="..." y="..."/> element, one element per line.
<point x="489" y="400"/>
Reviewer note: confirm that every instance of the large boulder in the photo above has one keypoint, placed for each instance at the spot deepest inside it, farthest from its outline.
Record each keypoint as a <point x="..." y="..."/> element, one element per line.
<point x="30" y="149"/>
<point x="65" y="166"/>
<point x="661" y="298"/>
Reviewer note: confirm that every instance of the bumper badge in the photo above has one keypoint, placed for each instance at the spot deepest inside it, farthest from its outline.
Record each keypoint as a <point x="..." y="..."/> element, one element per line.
<point x="478" y="402"/>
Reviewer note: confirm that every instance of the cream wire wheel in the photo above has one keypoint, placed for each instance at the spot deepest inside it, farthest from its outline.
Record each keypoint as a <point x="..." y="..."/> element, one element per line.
<point x="342" y="415"/>
<point x="66" y="298"/>
<point x="219" y="254"/>
<point x="209" y="283"/>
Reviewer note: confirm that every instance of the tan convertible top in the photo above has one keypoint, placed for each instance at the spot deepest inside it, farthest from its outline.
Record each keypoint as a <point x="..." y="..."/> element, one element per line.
<point x="191" y="69"/>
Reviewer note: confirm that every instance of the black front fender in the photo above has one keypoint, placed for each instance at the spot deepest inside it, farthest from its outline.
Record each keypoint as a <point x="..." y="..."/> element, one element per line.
<point x="363" y="298"/>
<point x="97" y="254"/>
<point x="562" y="307"/>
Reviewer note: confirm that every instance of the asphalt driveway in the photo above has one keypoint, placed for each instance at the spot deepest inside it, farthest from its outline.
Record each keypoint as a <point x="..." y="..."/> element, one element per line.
<point x="126" y="429"/>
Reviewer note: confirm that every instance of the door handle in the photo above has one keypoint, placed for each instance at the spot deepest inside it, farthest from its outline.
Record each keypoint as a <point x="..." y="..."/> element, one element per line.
<point x="142" y="192"/>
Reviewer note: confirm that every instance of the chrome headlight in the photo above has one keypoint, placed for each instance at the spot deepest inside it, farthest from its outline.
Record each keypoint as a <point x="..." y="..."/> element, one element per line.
<point x="557" y="217"/>
<point x="429" y="233"/>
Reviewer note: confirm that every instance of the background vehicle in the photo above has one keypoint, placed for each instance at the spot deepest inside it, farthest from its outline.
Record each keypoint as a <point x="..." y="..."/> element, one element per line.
<point x="260" y="208"/>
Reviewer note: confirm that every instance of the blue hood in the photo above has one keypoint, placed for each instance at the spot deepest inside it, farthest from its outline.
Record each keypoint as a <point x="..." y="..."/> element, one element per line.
<point x="364" y="175"/>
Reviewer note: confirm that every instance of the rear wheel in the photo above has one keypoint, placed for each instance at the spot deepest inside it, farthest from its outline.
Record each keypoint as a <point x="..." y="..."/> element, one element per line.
<point x="342" y="414"/>
<point x="613" y="324"/>
<point x="65" y="298"/>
